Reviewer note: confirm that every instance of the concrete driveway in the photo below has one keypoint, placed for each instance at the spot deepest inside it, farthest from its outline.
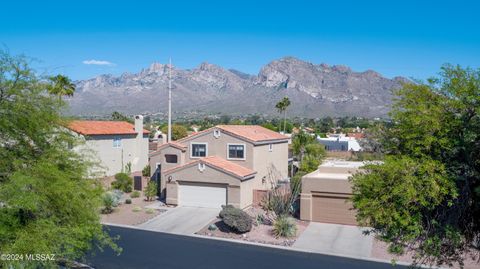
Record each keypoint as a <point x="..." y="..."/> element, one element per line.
<point x="181" y="220"/>
<point x="335" y="239"/>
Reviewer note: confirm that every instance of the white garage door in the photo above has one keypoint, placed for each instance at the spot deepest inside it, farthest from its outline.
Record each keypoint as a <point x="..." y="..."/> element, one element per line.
<point x="202" y="195"/>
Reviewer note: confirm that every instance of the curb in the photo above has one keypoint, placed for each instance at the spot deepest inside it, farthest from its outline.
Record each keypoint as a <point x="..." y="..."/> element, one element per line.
<point x="262" y="245"/>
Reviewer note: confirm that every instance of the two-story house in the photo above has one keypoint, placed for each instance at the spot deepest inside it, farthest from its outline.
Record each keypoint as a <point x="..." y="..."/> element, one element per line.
<point x="221" y="165"/>
<point x="114" y="144"/>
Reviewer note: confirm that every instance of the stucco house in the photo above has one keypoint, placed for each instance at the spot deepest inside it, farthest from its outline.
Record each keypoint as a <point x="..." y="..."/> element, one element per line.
<point x="339" y="142"/>
<point x="114" y="143"/>
<point x="221" y="165"/>
<point x="326" y="192"/>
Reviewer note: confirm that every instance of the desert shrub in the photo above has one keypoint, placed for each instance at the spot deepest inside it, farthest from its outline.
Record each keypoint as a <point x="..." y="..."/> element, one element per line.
<point x="151" y="190"/>
<point x="237" y="220"/>
<point x="128" y="201"/>
<point x="146" y="171"/>
<point x="137" y="209"/>
<point x="284" y="226"/>
<point x="135" y="194"/>
<point x="225" y="210"/>
<point x="150" y="211"/>
<point x="108" y="201"/>
<point x="281" y="199"/>
<point x="123" y="182"/>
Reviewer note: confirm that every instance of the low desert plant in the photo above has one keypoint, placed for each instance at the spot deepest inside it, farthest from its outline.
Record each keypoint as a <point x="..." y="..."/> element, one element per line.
<point x="151" y="190"/>
<point x="137" y="209"/>
<point x="150" y="211"/>
<point x="128" y="201"/>
<point x="146" y="171"/>
<point x="225" y="210"/>
<point x="284" y="226"/>
<point x="236" y="219"/>
<point x="135" y="194"/>
<point x="108" y="201"/>
<point x="123" y="182"/>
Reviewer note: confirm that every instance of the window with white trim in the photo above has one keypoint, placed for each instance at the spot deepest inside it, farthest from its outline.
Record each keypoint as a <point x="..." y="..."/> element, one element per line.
<point x="236" y="151"/>
<point x="198" y="150"/>
<point x="117" y="142"/>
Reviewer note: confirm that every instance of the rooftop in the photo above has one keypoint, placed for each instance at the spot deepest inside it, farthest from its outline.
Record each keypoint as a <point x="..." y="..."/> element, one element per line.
<point x="88" y="127"/>
<point x="253" y="133"/>
<point x="219" y="163"/>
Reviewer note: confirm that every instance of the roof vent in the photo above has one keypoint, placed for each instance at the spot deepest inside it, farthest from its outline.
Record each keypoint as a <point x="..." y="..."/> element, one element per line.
<point x="201" y="167"/>
<point x="216" y="133"/>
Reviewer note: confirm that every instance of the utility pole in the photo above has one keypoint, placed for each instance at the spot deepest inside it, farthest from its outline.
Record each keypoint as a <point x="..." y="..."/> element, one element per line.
<point x="169" y="137"/>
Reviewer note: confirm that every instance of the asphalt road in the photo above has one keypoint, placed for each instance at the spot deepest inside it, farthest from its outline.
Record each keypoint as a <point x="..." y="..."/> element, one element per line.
<point x="144" y="249"/>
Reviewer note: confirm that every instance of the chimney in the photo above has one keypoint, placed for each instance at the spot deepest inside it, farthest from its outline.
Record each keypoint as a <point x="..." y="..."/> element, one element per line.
<point x="139" y="124"/>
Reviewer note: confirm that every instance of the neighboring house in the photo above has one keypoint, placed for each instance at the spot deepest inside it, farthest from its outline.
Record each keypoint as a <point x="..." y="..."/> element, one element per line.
<point x="114" y="143"/>
<point x="339" y="142"/>
<point x="221" y="165"/>
<point x="326" y="192"/>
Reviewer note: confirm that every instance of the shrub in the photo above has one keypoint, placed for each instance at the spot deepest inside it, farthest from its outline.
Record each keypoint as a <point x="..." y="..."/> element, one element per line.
<point x="108" y="200"/>
<point x="137" y="209"/>
<point x="284" y="226"/>
<point x="146" y="171"/>
<point x="135" y="194"/>
<point x="117" y="195"/>
<point x="225" y="210"/>
<point x="123" y="182"/>
<point x="150" y="211"/>
<point x="236" y="219"/>
<point x="128" y="201"/>
<point x="151" y="190"/>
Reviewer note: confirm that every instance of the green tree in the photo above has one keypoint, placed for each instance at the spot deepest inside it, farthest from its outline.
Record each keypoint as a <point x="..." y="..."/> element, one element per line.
<point x="299" y="142"/>
<point x="60" y="86"/>
<point x="425" y="197"/>
<point x="117" y="116"/>
<point x="281" y="107"/>
<point x="48" y="203"/>
<point x="178" y="131"/>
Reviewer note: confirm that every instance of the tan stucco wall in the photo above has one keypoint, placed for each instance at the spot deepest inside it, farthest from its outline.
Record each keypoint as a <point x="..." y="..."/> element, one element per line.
<point x="218" y="147"/>
<point x="133" y="149"/>
<point x="324" y="180"/>
<point x="211" y="175"/>
<point x="270" y="162"/>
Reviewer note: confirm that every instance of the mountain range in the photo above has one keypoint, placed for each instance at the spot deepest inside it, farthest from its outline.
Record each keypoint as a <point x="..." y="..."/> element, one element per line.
<point x="314" y="91"/>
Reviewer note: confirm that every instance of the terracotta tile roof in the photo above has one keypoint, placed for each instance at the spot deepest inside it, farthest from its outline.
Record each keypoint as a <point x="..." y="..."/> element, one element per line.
<point x="253" y="133"/>
<point x="90" y="127"/>
<point x="219" y="163"/>
<point x="173" y="144"/>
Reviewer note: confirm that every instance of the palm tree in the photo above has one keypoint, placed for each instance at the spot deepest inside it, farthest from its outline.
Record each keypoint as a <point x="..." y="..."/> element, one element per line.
<point x="282" y="108"/>
<point x="61" y="86"/>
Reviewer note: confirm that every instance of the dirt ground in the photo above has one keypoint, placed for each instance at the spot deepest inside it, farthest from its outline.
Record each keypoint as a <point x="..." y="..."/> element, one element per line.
<point x="380" y="251"/>
<point x="260" y="233"/>
<point x="124" y="213"/>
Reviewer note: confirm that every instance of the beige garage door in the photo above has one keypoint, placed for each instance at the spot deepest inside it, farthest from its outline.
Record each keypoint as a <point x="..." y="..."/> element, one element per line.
<point x="198" y="195"/>
<point x="333" y="209"/>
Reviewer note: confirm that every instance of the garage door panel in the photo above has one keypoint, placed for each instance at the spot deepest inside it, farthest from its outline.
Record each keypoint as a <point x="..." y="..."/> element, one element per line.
<point x="197" y="195"/>
<point x="333" y="209"/>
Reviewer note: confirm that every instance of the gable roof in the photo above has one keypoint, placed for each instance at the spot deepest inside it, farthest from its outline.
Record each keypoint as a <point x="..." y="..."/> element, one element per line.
<point x="220" y="164"/>
<point x="172" y="144"/>
<point x="92" y="127"/>
<point x="251" y="133"/>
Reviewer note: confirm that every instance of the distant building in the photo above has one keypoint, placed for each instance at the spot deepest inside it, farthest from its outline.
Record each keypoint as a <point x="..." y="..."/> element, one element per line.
<point x="114" y="143"/>
<point x="339" y="142"/>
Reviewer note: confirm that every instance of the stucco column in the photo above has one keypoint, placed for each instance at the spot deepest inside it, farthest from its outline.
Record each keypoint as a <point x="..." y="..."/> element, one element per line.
<point x="306" y="206"/>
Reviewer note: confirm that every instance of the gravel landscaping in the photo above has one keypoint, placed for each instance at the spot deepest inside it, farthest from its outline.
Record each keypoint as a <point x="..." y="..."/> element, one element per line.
<point x="260" y="233"/>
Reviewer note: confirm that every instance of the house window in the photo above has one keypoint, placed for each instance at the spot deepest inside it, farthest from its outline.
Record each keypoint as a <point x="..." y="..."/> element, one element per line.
<point x="236" y="151"/>
<point x="270" y="147"/>
<point x="198" y="150"/>
<point x="117" y="142"/>
<point x="171" y="158"/>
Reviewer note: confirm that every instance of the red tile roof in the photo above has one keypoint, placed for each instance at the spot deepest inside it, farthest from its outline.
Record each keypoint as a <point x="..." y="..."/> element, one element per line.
<point x="90" y="127"/>
<point x="253" y="133"/>
<point x="218" y="163"/>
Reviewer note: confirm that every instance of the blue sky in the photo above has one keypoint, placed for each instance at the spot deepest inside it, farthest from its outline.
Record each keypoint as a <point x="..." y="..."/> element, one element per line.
<point x="408" y="38"/>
